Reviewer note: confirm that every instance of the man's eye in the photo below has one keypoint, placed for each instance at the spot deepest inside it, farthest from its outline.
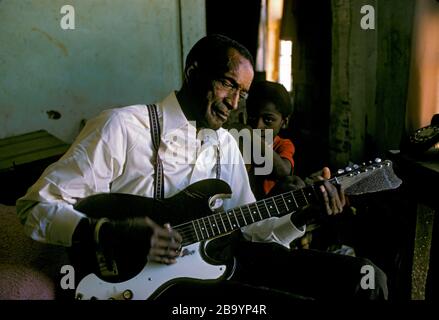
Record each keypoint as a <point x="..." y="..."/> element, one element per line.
<point x="227" y="84"/>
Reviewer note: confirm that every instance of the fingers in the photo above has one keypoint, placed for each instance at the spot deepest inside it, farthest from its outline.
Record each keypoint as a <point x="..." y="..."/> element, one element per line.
<point x="326" y="173"/>
<point x="165" y="245"/>
<point x="333" y="197"/>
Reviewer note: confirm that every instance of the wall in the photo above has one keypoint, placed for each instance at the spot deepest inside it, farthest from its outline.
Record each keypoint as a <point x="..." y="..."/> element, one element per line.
<point x="369" y="79"/>
<point x="120" y="53"/>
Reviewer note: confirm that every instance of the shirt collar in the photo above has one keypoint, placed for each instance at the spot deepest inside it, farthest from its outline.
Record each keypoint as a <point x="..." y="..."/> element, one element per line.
<point x="174" y="119"/>
<point x="173" y="116"/>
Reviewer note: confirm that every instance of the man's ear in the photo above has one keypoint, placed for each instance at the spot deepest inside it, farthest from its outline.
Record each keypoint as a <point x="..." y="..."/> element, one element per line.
<point x="190" y="71"/>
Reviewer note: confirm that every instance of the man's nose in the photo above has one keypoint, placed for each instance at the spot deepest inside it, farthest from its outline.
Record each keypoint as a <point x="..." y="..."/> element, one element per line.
<point x="234" y="99"/>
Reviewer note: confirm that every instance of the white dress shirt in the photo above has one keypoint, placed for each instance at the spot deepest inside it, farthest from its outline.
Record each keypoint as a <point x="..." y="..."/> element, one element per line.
<point x="114" y="153"/>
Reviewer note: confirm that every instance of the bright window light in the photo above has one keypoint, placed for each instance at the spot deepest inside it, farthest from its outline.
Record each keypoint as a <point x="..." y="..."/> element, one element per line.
<point x="285" y="77"/>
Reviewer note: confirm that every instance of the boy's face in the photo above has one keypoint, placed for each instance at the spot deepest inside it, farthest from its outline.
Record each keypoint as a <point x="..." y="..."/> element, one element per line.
<point x="264" y="115"/>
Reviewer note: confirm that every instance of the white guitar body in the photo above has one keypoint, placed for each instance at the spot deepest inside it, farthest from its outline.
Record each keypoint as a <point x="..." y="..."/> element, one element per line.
<point x="153" y="279"/>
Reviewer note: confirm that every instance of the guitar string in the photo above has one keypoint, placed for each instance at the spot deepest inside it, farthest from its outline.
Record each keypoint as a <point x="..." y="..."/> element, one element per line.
<point x="187" y="229"/>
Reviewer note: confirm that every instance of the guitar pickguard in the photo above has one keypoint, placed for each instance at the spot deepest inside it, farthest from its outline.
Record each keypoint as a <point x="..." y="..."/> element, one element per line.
<point x="154" y="278"/>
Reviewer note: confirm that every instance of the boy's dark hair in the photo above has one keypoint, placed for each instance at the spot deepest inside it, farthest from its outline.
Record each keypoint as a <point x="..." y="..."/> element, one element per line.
<point x="210" y="53"/>
<point x="270" y="91"/>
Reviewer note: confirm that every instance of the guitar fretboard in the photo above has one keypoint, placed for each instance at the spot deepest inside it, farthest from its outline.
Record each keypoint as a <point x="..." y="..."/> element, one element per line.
<point x="226" y="221"/>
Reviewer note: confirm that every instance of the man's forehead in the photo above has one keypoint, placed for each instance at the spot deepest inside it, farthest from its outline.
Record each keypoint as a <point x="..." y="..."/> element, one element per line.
<point x="235" y="59"/>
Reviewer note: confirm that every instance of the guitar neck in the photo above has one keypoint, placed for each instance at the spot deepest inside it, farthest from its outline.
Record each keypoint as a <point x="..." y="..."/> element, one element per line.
<point x="226" y="221"/>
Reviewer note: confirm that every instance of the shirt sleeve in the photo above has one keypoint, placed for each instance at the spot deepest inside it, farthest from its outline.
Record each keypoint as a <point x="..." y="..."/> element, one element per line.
<point x="88" y="167"/>
<point x="279" y="230"/>
<point x="286" y="149"/>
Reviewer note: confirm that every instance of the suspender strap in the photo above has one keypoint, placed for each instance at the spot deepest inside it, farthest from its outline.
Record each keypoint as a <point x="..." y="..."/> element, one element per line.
<point x="158" y="166"/>
<point x="218" y="163"/>
<point x="159" y="192"/>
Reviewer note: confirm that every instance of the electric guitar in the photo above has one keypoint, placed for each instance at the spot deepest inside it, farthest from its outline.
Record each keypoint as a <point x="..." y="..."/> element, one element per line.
<point x="196" y="214"/>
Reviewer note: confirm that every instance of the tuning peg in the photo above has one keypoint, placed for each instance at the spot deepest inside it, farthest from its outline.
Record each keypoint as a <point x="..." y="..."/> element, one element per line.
<point x="377" y="160"/>
<point x="348" y="169"/>
<point x="355" y="166"/>
<point x="340" y="171"/>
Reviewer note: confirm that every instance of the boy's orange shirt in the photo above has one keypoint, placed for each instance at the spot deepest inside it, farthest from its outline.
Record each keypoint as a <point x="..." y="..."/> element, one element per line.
<point x="285" y="149"/>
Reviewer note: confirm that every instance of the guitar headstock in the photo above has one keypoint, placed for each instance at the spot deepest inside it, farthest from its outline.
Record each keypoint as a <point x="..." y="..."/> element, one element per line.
<point x="374" y="176"/>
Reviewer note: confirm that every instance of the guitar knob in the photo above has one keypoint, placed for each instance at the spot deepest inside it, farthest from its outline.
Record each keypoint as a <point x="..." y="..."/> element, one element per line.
<point x="127" y="294"/>
<point x="377" y="160"/>
<point x="340" y="171"/>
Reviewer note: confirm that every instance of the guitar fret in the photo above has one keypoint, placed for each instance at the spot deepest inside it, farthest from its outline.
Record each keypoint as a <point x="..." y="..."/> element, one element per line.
<point x="280" y="203"/>
<point x="226" y="221"/>
<point x="304" y="196"/>
<point x="298" y="199"/>
<point x="217" y="224"/>
<point x="292" y="195"/>
<point x="246" y="211"/>
<point x="231" y="225"/>
<point x="288" y="209"/>
<point x="237" y="222"/>
<point x="211" y="226"/>
<point x="224" y="225"/>
<point x="205" y="227"/>
<point x="301" y="198"/>
<point x="260" y="215"/>
<point x="271" y="206"/>
<point x="260" y="210"/>
<point x="277" y="209"/>
<point x="239" y="217"/>
<point x="198" y="238"/>
<point x="268" y="211"/>
<point x="243" y="216"/>
<point x="250" y="211"/>
<point x="201" y="230"/>
<point x="253" y="212"/>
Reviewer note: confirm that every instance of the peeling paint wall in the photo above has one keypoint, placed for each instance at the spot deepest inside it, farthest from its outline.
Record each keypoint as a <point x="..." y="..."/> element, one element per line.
<point x="120" y="53"/>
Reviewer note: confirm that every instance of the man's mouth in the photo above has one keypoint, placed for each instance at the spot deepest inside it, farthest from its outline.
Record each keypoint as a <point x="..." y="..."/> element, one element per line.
<point x="222" y="115"/>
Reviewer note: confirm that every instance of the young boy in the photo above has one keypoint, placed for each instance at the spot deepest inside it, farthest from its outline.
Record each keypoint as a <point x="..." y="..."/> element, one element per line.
<point x="269" y="107"/>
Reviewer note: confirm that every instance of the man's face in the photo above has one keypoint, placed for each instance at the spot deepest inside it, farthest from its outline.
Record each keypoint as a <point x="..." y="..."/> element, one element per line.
<point x="224" y="91"/>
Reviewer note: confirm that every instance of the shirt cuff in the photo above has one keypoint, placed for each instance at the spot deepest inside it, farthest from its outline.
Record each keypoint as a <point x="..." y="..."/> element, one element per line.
<point x="53" y="224"/>
<point x="285" y="231"/>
